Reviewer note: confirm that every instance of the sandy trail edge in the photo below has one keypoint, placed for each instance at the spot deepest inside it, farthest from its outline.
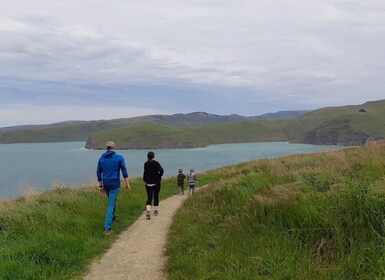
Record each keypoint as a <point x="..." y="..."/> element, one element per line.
<point x="138" y="253"/>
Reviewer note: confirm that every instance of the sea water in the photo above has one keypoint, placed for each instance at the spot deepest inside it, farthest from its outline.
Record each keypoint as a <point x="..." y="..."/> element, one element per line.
<point x="40" y="166"/>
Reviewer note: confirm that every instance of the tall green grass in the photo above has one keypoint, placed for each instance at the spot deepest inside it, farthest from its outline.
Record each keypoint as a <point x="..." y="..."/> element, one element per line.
<point x="318" y="216"/>
<point x="313" y="216"/>
<point x="57" y="234"/>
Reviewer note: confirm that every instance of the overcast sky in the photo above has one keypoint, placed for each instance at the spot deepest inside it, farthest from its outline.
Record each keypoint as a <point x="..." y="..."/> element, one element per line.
<point x="87" y="60"/>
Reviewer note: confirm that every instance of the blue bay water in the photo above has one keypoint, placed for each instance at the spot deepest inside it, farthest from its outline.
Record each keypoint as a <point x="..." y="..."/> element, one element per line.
<point x="41" y="165"/>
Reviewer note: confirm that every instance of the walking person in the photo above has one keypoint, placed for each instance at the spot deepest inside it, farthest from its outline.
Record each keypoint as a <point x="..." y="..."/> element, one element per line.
<point x="192" y="179"/>
<point x="110" y="164"/>
<point x="180" y="181"/>
<point x="152" y="177"/>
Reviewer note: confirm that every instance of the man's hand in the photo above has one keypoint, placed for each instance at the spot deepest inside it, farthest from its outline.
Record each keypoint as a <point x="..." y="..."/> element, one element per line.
<point x="101" y="191"/>
<point x="127" y="184"/>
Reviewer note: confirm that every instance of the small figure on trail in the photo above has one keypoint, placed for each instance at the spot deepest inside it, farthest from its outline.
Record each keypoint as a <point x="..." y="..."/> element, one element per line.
<point x="152" y="177"/>
<point x="110" y="164"/>
<point x="192" y="179"/>
<point x="180" y="181"/>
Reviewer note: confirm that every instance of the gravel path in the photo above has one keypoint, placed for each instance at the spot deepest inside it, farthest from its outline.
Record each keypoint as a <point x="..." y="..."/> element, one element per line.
<point x="138" y="253"/>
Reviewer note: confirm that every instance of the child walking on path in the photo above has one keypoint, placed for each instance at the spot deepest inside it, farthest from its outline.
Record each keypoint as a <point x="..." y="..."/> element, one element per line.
<point x="180" y="181"/>
<point x="192" y="179"/>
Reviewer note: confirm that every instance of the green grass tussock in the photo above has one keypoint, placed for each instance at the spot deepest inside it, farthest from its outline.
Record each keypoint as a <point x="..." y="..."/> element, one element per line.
<point x="318" y="216"/>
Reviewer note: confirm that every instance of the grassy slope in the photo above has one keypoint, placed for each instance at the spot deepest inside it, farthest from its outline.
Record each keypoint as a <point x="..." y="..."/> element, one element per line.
<point x="316" y="216"/>
<point x="313" y="216"/>
<point x="247" y="131"/>
<point x="371" y="122"/>
<point x="161" y="136"/>
<point x="53" y="133"/>
<point x="147" y="136"/>
<point x="333" y="125"/>
<point x="319" y="126"/>
<point x="351" y="125"/>
<point x="57" y="234"/>
<point x="80" y="130"/>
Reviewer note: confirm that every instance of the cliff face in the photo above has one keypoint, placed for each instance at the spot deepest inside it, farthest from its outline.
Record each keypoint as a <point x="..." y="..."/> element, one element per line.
<point x="341" y="138"/>
<point x="337" y="133"/>
<point x="92" y="143"/>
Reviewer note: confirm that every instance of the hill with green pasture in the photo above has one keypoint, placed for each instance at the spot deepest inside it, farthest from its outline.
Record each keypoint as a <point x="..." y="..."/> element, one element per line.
<point x="143" y="136"/>
<point x="81" y="130"/>
<point x="347" y="125"/>
<point x="149" y="136"/>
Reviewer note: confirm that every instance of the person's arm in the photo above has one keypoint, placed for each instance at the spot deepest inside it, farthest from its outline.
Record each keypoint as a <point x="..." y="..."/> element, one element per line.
<point x="160" y="170"/>
<point x="99" y="171"/>
<point x="125" y="173"/>
<point x="144" y="173"/>
<point x="128" y="187"/>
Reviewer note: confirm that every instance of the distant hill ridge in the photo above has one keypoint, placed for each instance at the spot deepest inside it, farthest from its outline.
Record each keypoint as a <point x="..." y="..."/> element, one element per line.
<point x="81" y="130"/>
<point x="344" y="125"/>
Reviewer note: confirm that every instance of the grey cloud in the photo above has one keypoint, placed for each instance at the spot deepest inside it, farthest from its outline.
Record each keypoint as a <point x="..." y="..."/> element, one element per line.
<point x="223" y="52"/>
<point x="62" y="53"/>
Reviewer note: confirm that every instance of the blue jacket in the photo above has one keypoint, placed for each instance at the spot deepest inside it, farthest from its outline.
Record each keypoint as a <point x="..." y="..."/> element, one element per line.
<point x="108" y="171"/>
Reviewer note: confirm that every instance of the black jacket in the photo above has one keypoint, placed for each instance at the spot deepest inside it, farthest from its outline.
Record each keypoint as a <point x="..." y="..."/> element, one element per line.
<point x="153" y="172"/>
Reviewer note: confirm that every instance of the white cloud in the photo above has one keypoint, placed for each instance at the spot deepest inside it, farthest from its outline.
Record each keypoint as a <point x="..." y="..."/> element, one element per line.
<point x="331" y="48"/>
<point x="11" y="25"/>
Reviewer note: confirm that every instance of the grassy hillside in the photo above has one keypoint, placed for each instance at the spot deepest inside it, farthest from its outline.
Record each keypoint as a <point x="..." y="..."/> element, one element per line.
<point x="344" y="125"/>
<point x="354" y="125"/>
<point x="318" y="216"/>
<point x="51" y="133"/>
<point x="312" y="216"/>
<point x="152" y="136"/>
<point x="145" y="136"/>
<point x="283" y="115"/>
<point x="57" y="234"/>
<point x="80" y="130"/>
<point x="247" y="131"/>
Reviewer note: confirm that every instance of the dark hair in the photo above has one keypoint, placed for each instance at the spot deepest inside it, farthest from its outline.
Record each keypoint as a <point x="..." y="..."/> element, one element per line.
<point x="150" y="155"/>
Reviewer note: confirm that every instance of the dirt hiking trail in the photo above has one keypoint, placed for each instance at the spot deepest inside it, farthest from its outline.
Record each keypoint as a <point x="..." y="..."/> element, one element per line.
<point x="138" y="252"/>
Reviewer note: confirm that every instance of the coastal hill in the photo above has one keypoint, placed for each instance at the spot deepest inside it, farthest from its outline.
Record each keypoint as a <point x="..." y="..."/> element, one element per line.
<point x="351" y="125"/>
<point x="81" y="130"/>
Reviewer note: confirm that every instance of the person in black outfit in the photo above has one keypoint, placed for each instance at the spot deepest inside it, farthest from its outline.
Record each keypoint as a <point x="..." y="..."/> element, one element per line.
<point x="180" y="181"/>
<point x="152" y="176"/>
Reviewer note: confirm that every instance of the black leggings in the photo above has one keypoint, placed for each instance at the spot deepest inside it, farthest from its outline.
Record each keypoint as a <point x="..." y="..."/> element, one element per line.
<point x="153" y="192"/>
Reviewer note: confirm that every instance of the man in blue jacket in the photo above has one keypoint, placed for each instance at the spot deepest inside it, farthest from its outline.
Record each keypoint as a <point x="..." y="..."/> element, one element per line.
<point x="108" y="172"/>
